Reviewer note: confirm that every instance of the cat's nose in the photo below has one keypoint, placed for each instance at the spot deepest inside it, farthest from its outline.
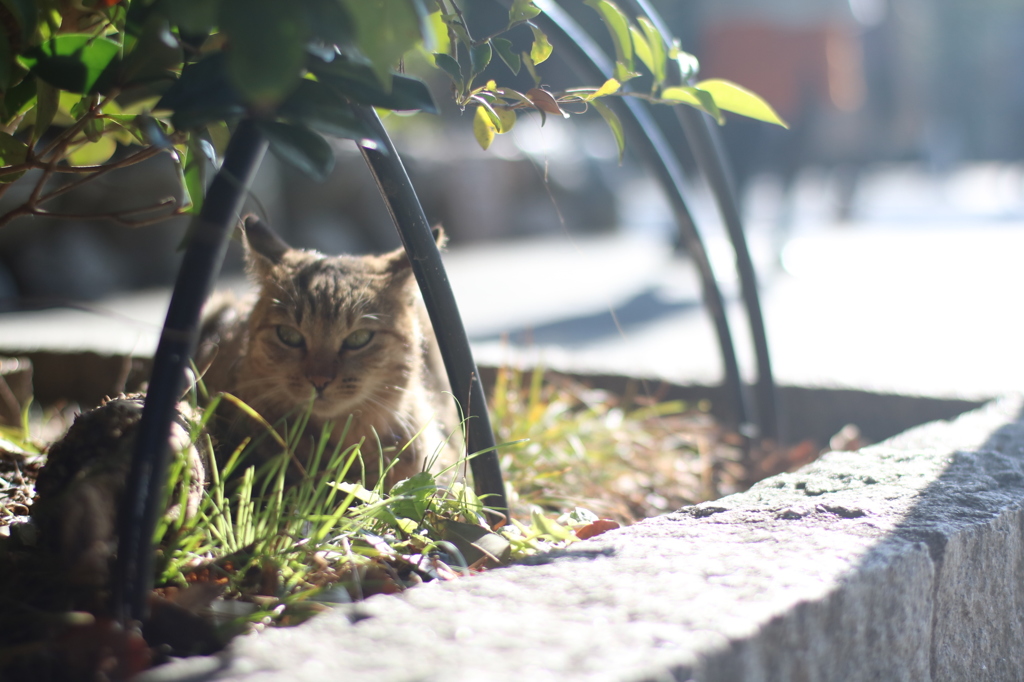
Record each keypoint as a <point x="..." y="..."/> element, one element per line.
<point x="320" y="382"/>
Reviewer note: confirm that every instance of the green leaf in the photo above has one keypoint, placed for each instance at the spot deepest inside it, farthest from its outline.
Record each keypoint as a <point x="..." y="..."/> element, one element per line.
<point x="509" y="93"/>
<point x="385" y="30"/>
<point x="299" y="147"/>
<point x="19" y="99"/>
<point x="12" y="152"/>
<point x="320" y="107"/>
<point x="47" y="103"/>
<point x="93" y="130"/>
<point x="549" y="527"/>
<point x="479" y="58"/>
<point x="195" y="17"/>
<point x="123" y="129"/>
<point x="93" y="153"/>
<point x="541" y="49"/>
<point x="202" y="95"/>
<point x="476" y="542"/>
<point x="152" y="131"/>
<point x="329" y="20"/>
<point x="9" y="445"/>
<point x="76" y="62"/>
<point x="528" y="63"/>
<point x="447" y="63"/>
<point x="656" y="44"/>
<point x="26" y="14"/>
<point x="522" y="10"/>
<point x="193" y="171"/>
<point x="155" y="54"/>
<point x="483" y="127"/>
<point x="737" y="99"/>
<point x="609" y="87"/>
<point x="268" y="48"/>
<point x="503" y="47"/>
<point x="360" y="84"/>
<point x="6" y="62"/>
<point x="220" y="136"/>
<point x="413" y="496"/>
<point x="641" y="49"/>
<point x="489" y="110"/>
<point x="695" y="97"/>
<point x="618" y="26"/>
<point x="506" y="118"/>
<point x="614" y="124"/>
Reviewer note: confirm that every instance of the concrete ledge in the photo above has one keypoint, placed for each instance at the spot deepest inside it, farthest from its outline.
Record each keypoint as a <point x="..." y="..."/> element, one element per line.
<point x="904" y="561"/>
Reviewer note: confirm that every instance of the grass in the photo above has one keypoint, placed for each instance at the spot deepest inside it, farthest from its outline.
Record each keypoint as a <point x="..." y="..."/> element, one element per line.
<point x="572" y="455"/>
<point x="286" y="548"/>
<point x="20" y="460"/>
<point x="625" y="459"/>
<point x="264" y="548"/>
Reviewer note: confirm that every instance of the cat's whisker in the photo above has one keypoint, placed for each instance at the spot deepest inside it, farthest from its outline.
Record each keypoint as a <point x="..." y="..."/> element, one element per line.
<point x="408" y="424"/>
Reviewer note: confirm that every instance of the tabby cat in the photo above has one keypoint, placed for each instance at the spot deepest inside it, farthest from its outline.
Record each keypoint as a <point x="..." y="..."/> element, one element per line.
<point x="340" y="335"/>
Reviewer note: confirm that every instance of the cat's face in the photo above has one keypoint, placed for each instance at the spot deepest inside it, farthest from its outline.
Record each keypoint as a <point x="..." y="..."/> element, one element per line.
<point x="340" y="332"/>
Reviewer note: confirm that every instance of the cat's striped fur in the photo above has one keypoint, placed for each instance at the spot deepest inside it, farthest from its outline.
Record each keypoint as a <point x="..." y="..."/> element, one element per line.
<point x="346" y="335"/>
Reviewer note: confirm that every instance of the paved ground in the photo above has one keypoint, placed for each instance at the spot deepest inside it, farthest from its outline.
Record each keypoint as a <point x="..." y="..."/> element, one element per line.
<point x="919" y="293"/>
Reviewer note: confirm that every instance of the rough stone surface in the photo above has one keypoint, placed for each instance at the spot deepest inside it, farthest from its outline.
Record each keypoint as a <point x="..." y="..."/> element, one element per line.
<point x="899" y="562"/>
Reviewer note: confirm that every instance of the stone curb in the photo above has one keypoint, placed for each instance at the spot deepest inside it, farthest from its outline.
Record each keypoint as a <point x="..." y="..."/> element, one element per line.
<point x="899" y="562"/>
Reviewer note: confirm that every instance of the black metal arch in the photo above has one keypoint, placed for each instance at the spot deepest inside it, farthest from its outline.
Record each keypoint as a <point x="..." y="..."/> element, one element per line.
<point x="205" y="253"/>
<point x="407" y="214"/>
<point x="585" y="57"/>
<point x="140" y="510"/>
<point x="705" y="143"/>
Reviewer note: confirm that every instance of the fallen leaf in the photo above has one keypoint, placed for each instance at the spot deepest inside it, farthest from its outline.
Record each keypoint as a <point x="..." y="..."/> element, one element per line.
<point x="596" y="528"/>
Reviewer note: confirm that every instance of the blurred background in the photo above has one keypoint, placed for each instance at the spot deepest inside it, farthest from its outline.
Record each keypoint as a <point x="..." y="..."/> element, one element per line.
<point x="884" y="223"/>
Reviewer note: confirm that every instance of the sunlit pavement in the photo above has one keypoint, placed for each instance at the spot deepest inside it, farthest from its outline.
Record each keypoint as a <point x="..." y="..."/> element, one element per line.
<point x="919" y="292"/>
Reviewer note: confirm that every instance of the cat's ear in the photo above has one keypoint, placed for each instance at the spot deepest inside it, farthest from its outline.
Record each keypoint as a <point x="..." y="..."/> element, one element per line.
<point x="398" y="260"/>
<point x="440" y="238"/>
<point x="263" y="248"/>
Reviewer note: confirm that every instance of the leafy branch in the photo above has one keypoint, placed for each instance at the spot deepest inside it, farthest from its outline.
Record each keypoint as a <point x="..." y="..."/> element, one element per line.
<point x="672" y="73"/>
<point x="89" y="88"/>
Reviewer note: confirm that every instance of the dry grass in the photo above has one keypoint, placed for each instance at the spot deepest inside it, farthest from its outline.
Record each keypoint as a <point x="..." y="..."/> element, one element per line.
<point x="622" y="458"/>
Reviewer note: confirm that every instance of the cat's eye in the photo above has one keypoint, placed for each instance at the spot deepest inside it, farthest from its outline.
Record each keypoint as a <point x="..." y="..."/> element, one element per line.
<point x="357" y="339"/>
<point x="290" y="336"/>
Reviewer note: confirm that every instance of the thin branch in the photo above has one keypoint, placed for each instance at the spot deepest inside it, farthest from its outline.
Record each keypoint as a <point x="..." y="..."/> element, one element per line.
<point x="98" y="171"/>
<point x="6" y="218"/>
<point x="497" y="34"/>
<point x="119" y="217"/>
<point x="38" y="190"/>
<point x="453" y="39"/>
<point x="462" y="19"/>
<point x="64" y="138"/>
<point x="74" y="170"/>
<point x="58" y="145"/>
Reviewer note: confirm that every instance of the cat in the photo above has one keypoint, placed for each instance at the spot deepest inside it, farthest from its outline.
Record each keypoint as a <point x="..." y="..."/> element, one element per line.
<point x="80" y="488"/>
<point x="337" y="336"/>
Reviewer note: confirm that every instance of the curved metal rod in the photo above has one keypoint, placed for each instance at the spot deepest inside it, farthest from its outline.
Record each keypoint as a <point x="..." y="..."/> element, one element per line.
<point x="705" y="143"/>
<point x="697" y="128"/>
<point x="143" y="495"/>
<point x="407" y="213"/>
<point x="585" y="57"/>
